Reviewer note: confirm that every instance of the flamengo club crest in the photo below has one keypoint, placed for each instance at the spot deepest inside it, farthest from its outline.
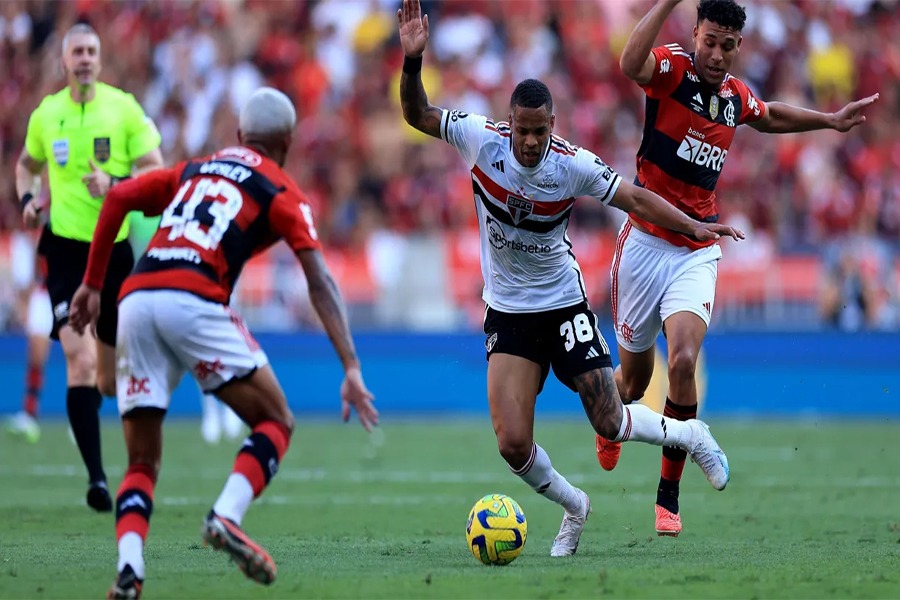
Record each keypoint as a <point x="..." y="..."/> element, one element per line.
<point x="518" y="208"/>
<point x="713" y="107"/>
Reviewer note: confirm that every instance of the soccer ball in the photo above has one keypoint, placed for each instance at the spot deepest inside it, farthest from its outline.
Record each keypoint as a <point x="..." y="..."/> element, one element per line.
<point x="496" y="530"/>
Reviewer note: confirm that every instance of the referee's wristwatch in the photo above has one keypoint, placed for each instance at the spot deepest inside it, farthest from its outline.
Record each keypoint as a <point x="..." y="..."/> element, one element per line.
<point x="25" y="199"/>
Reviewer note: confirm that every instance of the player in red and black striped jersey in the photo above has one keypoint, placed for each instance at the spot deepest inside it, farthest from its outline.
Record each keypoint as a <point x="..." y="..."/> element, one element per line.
<point x="663" y="279"/>
<point x="217" y="212"/>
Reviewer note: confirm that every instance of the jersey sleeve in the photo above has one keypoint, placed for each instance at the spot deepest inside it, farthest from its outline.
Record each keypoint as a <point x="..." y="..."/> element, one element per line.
<point x="464" y="132"/>
<point x="752" y="108"/>
<point x="150" y="193"/>
<point x="593" y="177"/>
<point x="671" y="64"/>
<point x="143" y="136"/>
<point x="34" y="138"/>
<point x="291" y="218"/>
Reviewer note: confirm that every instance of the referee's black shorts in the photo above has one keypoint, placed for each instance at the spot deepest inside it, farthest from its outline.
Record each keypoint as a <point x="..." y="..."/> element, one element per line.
<point x="66" y="264"/>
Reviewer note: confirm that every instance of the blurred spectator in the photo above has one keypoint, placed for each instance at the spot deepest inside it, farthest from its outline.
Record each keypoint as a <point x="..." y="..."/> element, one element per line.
<point x="191" y="63"/>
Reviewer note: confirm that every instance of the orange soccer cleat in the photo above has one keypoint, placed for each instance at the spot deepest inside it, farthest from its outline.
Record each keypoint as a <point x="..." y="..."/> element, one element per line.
<point x="608" y="453"/>
<point x="254" y="562"/>
<point x="667" y="522"/>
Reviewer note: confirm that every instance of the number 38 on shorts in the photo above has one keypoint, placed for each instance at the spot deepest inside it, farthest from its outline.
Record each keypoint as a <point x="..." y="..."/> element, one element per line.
<point x="565" y="338"/>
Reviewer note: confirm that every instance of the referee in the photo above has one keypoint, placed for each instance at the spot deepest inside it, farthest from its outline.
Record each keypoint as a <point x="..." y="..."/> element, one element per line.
<point x="89" y="135"/>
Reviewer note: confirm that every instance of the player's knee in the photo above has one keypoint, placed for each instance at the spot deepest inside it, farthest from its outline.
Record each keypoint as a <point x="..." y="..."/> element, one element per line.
<point x="682" y="365"/>
<point x="81" y="368"/>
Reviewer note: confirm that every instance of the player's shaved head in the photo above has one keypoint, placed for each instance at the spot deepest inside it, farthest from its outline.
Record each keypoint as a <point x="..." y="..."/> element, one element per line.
<point x="267" y="112"/>
<point x="267" y="123"/>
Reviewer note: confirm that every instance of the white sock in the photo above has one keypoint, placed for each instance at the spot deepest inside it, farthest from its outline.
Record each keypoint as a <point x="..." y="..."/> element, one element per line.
<point x="235" y="498"/>
<point x="543" y="478"/>
<point x="640" y="424"/>
<point x="131" y="552"/>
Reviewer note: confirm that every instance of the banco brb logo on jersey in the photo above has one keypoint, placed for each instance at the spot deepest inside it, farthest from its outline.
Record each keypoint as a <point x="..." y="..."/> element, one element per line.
<point x="702" y="154"/>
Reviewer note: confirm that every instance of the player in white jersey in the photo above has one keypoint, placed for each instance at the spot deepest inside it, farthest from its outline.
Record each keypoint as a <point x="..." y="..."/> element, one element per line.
<point x="537" y="316"/>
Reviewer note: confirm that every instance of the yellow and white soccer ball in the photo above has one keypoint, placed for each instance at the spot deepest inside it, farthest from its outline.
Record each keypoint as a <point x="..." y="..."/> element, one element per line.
<point x="496" y="530"/>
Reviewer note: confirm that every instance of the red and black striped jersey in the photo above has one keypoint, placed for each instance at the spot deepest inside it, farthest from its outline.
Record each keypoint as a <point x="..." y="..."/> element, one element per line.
<point x="688" y="130"/>
<point x="217" y="212"/>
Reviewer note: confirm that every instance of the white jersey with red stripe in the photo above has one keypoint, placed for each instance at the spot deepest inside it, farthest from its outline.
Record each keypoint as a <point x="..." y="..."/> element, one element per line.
<point x="523" y="213"/>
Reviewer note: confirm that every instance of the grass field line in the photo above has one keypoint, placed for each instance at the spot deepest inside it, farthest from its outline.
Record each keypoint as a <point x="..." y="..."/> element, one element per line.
<point x="447" y="477"/>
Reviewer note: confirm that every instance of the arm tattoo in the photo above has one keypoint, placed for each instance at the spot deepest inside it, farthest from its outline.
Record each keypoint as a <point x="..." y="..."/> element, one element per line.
<point x="416" y="109"/>
<point x="326" y="300"/>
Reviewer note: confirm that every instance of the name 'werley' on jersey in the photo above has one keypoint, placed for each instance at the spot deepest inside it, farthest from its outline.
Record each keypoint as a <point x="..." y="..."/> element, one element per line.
<point x="523" y="212"/>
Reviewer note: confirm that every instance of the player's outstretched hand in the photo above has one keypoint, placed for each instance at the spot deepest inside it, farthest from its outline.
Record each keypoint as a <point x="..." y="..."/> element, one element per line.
<point x="713" y="231"/>
<point x="97" y="181"/>
<point x="355" y="393"/>
<point x="851" y="115"/>
<point x="413" y="28"/>
<point x="85" y="308"/>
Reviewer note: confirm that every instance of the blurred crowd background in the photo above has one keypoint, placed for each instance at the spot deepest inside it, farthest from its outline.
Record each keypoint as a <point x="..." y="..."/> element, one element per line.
<point x="395" y="209"/>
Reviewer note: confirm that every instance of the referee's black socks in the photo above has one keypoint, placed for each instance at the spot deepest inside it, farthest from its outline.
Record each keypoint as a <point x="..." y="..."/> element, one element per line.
<point x="83" y="406"/>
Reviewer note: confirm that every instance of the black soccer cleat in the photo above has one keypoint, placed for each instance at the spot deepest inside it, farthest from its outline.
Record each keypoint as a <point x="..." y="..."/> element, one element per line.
<point x="127" y="586"/>
<point x="98" y="497"/>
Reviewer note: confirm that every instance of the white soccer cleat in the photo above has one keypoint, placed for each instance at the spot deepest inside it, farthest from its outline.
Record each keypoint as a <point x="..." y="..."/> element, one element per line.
<point x="23" y="424"/>
<point x="706" y="452"/>
<point x="566" y="542"/>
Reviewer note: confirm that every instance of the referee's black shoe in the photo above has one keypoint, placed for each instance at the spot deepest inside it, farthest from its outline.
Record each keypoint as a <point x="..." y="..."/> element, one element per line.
<point x="98" y="497"/>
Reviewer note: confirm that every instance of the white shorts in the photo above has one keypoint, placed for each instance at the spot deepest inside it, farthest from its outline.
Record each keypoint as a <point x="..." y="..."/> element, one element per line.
<point x="163" y="333"/>
<point x="39" y="320"/>
<point x="21" y="259"/>
<point x="652" y="280"/>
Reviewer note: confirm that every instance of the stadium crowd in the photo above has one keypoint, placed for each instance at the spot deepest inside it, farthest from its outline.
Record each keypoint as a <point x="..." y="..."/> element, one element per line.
<point x="192" y="64"/>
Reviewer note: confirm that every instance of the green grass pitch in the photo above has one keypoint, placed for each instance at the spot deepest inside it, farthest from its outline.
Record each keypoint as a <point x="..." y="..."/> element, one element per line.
<point x="812" y="511"/>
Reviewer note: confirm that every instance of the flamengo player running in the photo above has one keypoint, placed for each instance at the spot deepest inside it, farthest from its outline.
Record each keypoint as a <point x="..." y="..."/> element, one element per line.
<point x="174" y="317"/>
<point x="663" y="278"/>
<point x="525" y="181"/>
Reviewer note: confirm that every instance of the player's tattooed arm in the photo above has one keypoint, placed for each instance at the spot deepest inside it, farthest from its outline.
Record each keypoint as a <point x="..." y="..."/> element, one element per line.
<point x="413" y="99"/>
<point x="601" y="400"/>
<point x="329" y="306"/>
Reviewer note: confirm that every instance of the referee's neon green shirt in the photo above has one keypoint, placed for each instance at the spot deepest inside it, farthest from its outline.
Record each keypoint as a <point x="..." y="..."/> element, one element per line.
<point x="111" y="129"/>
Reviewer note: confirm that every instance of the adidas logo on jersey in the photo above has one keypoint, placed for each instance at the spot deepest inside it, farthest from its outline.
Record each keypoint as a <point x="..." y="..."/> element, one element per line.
<point x="698" y="99"/>
<point x="702" y="154"/>
<point x="498" y="165"/>
<point x="592" y="353"/>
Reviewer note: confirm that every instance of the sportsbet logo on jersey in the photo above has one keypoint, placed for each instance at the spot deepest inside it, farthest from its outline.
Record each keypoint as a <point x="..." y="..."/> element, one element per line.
<point x="498" y="240"/>
<point x="701" y="153"/>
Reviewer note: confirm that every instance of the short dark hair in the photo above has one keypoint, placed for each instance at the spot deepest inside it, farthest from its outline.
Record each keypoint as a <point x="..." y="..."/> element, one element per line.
<point x="532" y="93"/>
<point x="726" y="13"/>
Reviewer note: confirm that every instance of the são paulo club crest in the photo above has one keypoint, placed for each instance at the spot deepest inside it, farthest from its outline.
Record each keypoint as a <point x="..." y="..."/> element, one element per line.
<point x="518" y="208"/>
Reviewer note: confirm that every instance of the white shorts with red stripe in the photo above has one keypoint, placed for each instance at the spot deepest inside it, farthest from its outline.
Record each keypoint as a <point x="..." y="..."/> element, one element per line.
<point x="164" y="333"/>
<point x="652" y="280"/>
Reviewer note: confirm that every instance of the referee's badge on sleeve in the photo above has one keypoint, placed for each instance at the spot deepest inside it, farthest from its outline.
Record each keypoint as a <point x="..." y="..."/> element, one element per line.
<point x="101" y="149"/>
<point x="61" y="152"/>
